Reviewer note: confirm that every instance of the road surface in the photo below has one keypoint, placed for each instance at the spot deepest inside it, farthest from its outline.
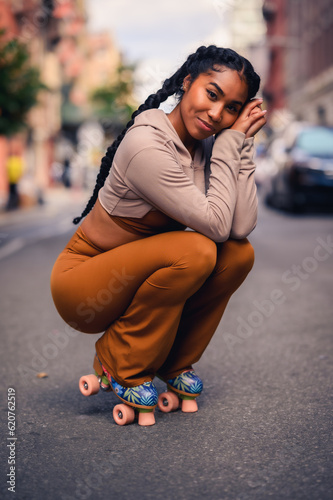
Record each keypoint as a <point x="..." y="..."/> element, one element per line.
<point x="263" y="429"/>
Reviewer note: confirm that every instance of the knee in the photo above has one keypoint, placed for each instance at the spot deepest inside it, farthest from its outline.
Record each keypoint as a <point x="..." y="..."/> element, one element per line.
<point x="203" y="252"/>
<point x="245" y="255"/>
<point x="241" y="255"/>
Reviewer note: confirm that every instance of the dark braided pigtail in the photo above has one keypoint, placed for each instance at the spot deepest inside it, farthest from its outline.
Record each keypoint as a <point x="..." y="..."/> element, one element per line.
<point x="203" y="60"/>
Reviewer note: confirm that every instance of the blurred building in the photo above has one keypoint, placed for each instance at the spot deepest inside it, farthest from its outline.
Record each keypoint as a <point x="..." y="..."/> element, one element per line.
<point x="72" y="64"/>
<point x="103" y="61"/>
<point x="32" y="23"/>
<point x="87" y="61"/>
<point x="309" y="64"/>
<point x="248" y="33"/>
<point x="71" y="52"/>
<point x="300" y="40"/>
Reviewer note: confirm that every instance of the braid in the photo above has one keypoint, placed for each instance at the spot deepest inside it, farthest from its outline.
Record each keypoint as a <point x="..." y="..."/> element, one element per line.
<point x="203" y="60"/>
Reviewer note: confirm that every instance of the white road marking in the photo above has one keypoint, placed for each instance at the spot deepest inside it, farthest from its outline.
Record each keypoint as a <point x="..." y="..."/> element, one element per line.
<point x="43" y="233"/>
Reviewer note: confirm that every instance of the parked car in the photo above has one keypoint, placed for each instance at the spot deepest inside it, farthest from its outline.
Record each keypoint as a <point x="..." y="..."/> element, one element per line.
<point x="304" y="173"/>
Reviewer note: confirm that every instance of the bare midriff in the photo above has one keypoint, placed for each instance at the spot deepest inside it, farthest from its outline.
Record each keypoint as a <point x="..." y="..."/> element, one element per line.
<point x="106" y="231"/>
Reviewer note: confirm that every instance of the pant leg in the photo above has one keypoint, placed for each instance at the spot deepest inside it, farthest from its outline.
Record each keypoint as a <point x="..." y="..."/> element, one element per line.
<point x="136" y="292"/>
<point x="203" y="311"/>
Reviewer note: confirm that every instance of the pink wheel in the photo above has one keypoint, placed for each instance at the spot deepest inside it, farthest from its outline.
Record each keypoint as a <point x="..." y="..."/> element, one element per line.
<point x="123" y="414"/>
<point x="168" y="401"/>
<point x="146" y="418"/>
<point x="89" y="385"/>
<point x="189" y="405"/>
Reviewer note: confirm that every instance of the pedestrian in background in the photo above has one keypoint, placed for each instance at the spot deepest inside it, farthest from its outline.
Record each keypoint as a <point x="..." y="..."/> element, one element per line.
<point x="159" y="292"/>
<point x="66" y="174"/>
<point x="14" y="167"/>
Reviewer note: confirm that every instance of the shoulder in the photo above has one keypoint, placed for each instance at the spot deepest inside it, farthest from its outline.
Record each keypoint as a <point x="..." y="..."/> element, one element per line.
<point x="151" y="124"/>
<point x="150" y="131"/>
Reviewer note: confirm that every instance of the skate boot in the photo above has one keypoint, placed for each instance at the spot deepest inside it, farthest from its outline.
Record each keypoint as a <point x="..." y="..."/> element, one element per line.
<point x="141" y="399"/>
<point x="181" y="391"/>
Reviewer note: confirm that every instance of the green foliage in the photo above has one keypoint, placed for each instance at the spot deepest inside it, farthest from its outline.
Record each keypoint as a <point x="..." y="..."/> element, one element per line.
<point x="19" y="85"/>
<point x="114" y="101"/>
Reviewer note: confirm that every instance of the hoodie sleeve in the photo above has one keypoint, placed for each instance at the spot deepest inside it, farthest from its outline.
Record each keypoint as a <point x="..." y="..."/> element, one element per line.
<point x="154" y="174"/>
<point x="245" y="214"/>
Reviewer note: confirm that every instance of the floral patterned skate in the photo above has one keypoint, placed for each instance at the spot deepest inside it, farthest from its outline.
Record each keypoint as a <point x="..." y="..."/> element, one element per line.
<point x="182" y="391"/>
<point x="142" y="398"/>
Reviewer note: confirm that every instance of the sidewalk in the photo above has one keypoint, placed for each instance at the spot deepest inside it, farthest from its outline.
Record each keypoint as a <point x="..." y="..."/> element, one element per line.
<point x="56" y="200"/>
<point x="25" y="226"/>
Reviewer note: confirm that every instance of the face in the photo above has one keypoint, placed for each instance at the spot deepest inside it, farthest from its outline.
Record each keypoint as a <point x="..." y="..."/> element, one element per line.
<point x="210" y="104"/>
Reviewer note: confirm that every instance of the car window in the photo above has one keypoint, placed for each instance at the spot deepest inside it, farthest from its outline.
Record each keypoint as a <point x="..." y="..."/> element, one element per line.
<point x="316" y="141"/>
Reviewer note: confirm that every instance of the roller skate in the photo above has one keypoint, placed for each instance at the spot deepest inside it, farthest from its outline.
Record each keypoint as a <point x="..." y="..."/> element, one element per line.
<point x="140" y="400"/>
<point x="181" y="392"/>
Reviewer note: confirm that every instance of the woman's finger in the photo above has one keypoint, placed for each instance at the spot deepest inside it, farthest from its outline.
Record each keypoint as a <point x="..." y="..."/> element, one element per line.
<point x="251" y="106"/>
<point x="255" y="116"/>
<point x="256" y="126"/>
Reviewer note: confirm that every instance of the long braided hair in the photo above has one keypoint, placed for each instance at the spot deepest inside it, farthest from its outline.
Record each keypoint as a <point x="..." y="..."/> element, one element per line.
<point x="201" y="61"/>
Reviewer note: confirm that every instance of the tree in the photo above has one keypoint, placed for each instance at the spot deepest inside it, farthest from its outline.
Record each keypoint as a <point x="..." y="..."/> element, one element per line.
<point x="114" y="102"/>
<point x="19" y="85"/>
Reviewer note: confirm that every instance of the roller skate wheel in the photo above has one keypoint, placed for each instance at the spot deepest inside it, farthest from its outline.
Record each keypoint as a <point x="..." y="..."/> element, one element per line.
<point x="123" y="414"/>
<point x="168" y="401"/>
<point x="89" y="385"/>
<point x="189" y="405"/>
<point x="146" y="418"/>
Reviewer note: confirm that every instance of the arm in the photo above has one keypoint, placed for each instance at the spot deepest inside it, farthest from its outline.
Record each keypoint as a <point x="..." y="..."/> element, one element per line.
<point x="155" y="175"/>
<point x="245" y="215"/>
<point x="251" y="120"/>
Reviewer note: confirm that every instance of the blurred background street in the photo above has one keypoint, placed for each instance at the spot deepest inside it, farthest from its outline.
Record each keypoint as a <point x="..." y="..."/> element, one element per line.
<point x="71" y="74"/>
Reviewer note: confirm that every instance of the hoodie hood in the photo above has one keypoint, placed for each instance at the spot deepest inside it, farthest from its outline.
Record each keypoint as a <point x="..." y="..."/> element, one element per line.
<point x="159" y="120"/>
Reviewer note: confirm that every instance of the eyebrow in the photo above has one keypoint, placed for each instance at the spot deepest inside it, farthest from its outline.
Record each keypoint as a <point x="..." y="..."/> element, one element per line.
<point x="222" y="93"/>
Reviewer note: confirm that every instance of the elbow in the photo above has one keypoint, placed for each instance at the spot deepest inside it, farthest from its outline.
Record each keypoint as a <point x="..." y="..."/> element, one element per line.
<point x="219" y="236"/>
<point x="240" y="233"/>
<point x="245" y="222"/>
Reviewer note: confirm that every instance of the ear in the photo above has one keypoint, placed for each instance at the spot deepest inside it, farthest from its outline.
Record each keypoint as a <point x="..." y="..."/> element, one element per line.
<point x="187" y="83"/>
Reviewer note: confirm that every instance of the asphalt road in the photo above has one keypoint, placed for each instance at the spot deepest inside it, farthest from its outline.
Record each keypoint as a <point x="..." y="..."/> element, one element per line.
<point x="264" y="425"/>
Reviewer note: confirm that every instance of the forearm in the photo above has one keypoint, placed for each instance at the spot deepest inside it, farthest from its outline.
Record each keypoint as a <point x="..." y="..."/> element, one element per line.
<point x="225" y="166"/>
<point x="245" y="213"/>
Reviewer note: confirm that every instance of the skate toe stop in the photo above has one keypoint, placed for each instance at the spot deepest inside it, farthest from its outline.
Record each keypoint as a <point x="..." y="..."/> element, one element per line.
<point x="189" y="406"/>
<point x="146" y="418"/>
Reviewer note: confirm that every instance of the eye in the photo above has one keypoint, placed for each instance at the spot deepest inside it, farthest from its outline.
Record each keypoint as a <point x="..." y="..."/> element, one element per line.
<point x="212" y="94"/>
<point x="232" y="108"/>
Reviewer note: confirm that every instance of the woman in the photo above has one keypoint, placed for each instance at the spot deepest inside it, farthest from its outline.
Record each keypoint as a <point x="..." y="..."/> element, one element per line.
<point x="158" y="291"/>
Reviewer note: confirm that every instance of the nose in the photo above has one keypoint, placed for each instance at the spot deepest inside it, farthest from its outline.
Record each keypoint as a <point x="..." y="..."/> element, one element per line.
<point x="215" y="113"/>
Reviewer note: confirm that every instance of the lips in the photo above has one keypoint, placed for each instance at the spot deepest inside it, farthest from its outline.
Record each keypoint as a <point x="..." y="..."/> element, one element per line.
<point x="206" y="126"/>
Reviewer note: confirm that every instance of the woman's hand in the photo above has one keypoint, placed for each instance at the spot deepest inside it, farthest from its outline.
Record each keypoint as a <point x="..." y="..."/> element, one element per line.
<point x="260" y="116"/>
<point x="251" y="119"/>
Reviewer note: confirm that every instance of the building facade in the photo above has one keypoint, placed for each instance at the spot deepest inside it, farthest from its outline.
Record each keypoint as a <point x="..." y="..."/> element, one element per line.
<point x="32" y="23"/>
<point x="309" y="63"/>
<point x="72" y="63"/>
<point x="300" y="75"/>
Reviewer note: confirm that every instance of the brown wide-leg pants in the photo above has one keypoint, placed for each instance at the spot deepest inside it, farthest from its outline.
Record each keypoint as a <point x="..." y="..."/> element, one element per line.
<point x="158" y="299"/>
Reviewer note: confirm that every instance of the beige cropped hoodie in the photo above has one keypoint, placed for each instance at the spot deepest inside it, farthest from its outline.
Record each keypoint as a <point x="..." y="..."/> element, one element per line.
<point x="214" y="194"/>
